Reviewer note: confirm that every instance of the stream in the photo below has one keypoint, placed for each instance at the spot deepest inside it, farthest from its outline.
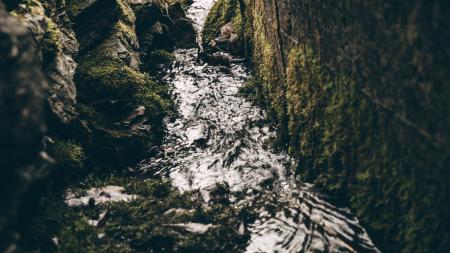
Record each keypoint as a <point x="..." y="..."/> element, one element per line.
<point x="220" y="138"/>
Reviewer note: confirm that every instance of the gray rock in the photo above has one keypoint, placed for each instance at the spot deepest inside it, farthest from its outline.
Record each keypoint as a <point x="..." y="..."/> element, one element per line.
<point x="164" y="27"/>
<point x="59" y="46"/>
<point x="228" y="39"/>
<point x="107" y="29"/>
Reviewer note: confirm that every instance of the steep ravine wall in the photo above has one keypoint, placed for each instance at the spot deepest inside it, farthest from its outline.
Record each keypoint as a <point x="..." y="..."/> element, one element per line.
<point x="360" y="92"/>
<point x="366" y="87"/>
<point x="77" y="95"/>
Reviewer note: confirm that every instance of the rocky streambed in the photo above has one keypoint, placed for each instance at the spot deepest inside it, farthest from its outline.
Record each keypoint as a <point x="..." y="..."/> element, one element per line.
<point x="219" y="145"/>
<point x="215" y="184"/>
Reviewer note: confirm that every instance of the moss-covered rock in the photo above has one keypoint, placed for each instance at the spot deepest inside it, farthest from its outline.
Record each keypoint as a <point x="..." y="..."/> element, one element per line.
<point x="123" y="107"/>
<point x="345" y="83"/>
<point x="150" y="223"/>
<point x="53" y="32"/>
<point x="99" y="78"/>
<point x="163" y="25"/>
<point x="226" y="28"/>
<point x="109" y="121"/>
<point x="68" y="155"/>
<point x="158" y="57"/>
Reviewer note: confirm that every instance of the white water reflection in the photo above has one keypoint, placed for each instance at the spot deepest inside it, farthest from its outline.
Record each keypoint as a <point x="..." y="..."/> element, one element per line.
<point x="219" y="137"/>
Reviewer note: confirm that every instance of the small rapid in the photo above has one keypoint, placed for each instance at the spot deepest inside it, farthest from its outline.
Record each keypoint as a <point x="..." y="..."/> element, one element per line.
<point x="220" y="138"/>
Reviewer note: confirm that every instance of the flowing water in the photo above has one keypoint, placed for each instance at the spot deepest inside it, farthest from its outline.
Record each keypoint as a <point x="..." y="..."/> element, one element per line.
<point x="219" y="138"/>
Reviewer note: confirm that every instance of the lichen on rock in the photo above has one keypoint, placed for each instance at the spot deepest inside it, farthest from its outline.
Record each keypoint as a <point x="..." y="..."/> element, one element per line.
<point x="58" y="45"/>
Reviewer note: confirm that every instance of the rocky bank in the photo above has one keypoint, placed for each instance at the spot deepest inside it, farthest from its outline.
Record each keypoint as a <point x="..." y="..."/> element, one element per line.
<point x="360" y="92"/>
<point x="77" y="94"/>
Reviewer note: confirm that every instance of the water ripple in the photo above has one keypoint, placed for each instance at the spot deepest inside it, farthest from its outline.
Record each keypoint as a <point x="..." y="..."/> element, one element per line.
<point x="219" y="137"/>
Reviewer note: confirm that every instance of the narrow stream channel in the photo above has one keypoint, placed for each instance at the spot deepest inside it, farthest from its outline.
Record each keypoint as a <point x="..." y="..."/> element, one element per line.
<point x="219" y="138"/>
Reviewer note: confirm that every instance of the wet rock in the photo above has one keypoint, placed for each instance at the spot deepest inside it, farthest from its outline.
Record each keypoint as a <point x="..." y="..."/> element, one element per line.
<point x="94" y="196"/>
<point x="22" y="100"/>
<point x="196" y="228"/>
<point x="118" y="147"/>
<point x="164" y="27"/>
<point x="107" y="29"/>
<point x="216" y="58"/>
<point x="220" y="194"/>
<point x="224" y="28"/>
<point x="228" y="39"/>
<point x="161" y="37"/>
<point x="179" y="212"/>
<point x="183" y="32"/>
<point x="99" y="221"/>
<point x="53" y="33"/>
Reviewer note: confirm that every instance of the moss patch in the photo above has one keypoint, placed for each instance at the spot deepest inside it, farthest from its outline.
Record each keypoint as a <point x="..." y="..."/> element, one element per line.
<point x="99" y="77"/>
<point x="228" y="11"/>
<point x="68" y="154"/>
<point x="139" y="226"/>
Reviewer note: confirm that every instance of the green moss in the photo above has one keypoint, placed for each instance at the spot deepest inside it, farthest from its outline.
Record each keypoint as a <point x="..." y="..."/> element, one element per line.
<point x="68" y="154"/>
<point x="99" y="77"/>
<point x="126" y="12"/>
<point x="162" y="56"/>
<point x="223" y="12"/>
<point x="156" y="106"/>
<point x="349" y="146"/>
<point x="265" y="64"/>
<point x="253" y="91"/>
<point x="305" y="92"/>
<point x="50" y="42"/>
<point x="109" y="92"/>
<point x="157" y="57"/>
<point x="122" y="30"/>
<point x="138" y="226"/>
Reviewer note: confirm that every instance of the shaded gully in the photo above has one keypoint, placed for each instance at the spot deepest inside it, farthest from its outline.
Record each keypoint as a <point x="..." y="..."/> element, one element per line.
<point x="220" y="139"/>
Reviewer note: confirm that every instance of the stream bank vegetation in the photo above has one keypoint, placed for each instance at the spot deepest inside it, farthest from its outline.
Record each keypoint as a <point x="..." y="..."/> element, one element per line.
<point x="159" y="219"/>
<point x="105" y="113"/>
<point x="359" y="93"/>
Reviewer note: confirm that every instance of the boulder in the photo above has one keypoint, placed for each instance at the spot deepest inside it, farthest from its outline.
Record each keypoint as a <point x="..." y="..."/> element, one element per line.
<point x="228" y="39"/>
<point x="58" y="46"/>
<point x="120" y="112"/>
<point x="107" y="28"/>
<point x="164" y="27"/>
